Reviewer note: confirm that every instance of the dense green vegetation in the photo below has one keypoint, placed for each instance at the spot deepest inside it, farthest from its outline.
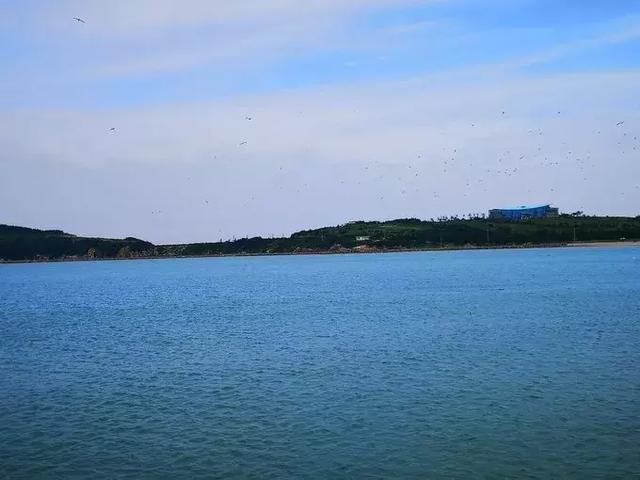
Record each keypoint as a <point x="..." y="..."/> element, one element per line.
<point x="18" y="243"/>
<point x="416" y="234"/>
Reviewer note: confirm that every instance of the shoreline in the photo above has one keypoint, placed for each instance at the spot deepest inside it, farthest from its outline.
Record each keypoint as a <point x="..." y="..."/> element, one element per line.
<point x="599" y="244"/>
<point x="594" y="244"/>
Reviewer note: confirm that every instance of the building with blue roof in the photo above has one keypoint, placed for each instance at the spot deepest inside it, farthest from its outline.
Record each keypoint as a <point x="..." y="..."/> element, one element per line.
<point x="523" y="212"/>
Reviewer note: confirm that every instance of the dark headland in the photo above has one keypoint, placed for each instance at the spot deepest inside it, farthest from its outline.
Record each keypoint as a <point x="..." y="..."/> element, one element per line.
<point x="19" y="244"/>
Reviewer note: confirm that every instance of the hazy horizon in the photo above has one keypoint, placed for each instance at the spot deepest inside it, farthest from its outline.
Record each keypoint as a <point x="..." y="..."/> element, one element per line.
<point x="270" y="117"/>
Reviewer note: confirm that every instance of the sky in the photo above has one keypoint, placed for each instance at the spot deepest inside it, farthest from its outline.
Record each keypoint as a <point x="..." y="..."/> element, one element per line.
<point x="202" y="120"/>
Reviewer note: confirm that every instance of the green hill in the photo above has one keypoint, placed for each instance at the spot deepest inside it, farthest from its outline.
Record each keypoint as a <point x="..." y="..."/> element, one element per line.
<point x="19" y="243"/>
<point x="413" y="233"/>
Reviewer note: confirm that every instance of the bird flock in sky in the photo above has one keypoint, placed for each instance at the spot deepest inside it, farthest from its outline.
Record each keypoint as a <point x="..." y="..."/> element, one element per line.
<point x="454" y="163"/>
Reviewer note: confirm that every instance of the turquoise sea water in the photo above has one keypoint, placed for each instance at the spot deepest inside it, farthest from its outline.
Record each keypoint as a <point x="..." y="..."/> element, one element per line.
<point x="480" y="364"/>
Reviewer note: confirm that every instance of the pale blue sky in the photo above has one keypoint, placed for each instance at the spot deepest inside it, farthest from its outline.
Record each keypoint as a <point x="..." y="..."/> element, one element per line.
<point x="360" y="109"/>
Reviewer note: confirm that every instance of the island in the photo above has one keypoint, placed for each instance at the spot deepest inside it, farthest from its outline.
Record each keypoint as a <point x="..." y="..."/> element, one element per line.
<point x="33" y="245"/>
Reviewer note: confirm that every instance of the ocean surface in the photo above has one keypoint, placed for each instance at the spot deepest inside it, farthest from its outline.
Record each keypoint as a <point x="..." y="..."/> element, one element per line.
<point x="470" y="364"/>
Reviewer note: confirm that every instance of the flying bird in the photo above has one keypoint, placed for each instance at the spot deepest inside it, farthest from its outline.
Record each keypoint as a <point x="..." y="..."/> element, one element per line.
<point x="248" y="118"/>
<point x="620" y="123"/>
<point x="243" y="143"/>
<point x="79" y="20"/>
<point x="112" y="129"/>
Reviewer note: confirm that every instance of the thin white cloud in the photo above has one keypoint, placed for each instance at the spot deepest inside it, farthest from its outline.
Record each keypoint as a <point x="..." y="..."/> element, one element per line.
<point x="613" y="37"/>
<point x="424" y="147"/>
<point x="229" y="49"/>
<point x="154" y="17"/>
<point x="122" y="38"/>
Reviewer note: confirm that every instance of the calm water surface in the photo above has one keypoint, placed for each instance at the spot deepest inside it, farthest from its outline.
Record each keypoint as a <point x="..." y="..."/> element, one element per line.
<point x="486" y="364"/>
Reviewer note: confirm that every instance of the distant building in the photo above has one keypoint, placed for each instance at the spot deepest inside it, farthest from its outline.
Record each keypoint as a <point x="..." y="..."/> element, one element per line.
<point x="523" y="212"/>
<point x="362" y="239"/>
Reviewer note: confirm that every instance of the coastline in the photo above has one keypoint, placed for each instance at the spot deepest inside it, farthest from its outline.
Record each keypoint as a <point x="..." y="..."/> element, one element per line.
<point x="594" y="244"/>
<point x="597" y="244"/>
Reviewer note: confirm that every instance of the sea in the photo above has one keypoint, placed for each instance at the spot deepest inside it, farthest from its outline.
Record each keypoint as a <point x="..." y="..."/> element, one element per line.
<point x="490" y="364"/>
